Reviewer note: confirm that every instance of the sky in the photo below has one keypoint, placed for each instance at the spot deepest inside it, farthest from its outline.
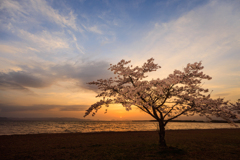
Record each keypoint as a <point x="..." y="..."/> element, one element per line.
<point x="50" y="49"/>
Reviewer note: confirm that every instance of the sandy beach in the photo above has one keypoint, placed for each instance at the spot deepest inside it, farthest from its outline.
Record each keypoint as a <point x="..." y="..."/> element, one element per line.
<point x="183" y="144"/>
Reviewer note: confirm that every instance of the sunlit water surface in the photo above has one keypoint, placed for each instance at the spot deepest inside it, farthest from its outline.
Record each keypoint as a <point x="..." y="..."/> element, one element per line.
<point x="11" y="128"/>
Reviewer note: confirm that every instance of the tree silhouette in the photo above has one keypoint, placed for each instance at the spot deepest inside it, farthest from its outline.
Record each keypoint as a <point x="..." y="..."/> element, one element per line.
<point x="181" y="93"/>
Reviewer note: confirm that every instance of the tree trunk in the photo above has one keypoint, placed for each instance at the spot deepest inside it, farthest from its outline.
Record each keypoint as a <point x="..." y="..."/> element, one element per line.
<point x="161" y="132"/>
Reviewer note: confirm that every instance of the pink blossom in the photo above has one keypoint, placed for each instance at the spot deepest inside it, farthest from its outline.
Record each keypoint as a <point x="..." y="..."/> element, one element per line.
<point x="181" y="93"/>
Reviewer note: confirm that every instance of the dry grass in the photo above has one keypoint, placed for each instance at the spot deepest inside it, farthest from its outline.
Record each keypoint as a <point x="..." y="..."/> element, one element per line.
<point x="183" y="144"/>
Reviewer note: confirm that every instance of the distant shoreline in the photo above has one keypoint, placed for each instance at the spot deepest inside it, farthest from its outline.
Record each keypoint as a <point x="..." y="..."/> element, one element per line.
<point x="5" y="119"/>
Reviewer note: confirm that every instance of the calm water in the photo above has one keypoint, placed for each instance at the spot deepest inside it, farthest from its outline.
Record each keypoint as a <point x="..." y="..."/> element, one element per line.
<point x="10" y="128"/>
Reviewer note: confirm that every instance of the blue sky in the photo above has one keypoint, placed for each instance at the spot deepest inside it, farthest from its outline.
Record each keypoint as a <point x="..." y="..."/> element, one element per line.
<point x="50" y="49"/>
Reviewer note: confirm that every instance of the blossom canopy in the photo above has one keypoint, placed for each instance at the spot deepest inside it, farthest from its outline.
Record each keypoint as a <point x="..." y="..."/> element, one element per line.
<point x="181" y="93"/>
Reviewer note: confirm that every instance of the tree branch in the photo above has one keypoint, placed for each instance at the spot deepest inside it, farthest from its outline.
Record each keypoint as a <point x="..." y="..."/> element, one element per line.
<point x="169" y="110"/>
<point x="168" y="93"/>
<point x="177" y="115"/>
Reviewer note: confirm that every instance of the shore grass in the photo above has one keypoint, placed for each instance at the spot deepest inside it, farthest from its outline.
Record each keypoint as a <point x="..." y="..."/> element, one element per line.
<point x="182" y="144"/>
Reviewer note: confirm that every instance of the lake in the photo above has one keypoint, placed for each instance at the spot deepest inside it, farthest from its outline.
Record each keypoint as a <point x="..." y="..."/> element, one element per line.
<point x="36" y="127"/>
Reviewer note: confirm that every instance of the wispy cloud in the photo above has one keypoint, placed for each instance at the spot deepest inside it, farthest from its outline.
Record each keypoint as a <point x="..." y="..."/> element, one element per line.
<point x="95" y="29"/>
<point x="45" y="40"/>
<point x="41" y="107"/>
<point x="207" y="32"/>
<point x="39" y="27"/>
<point x="27" y="10"/>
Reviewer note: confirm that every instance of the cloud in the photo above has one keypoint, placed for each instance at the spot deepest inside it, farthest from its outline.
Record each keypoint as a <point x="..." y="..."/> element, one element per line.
<point x="13" y="8"/>
<point x="44" y="40"/>
<point x="53" y="15"/>
<point x="95" y="29"/>
<point x="74" y="107"/>
<point x="209" y="33"/>
<point x="6" y="85"/>
<point x="222" y="94"/>
<point x="18" y="108"/>
<point x="23" y="78"/>
<point x="28" y="9"/>
<point x="39" y="28"/>
<point x="41" y="77"/>
<point x="79" y="48"/>
<point x="10" y="49"/>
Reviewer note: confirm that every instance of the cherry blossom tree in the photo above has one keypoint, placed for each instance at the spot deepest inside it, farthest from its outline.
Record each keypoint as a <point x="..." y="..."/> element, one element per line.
<point x="181" y="93"/>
